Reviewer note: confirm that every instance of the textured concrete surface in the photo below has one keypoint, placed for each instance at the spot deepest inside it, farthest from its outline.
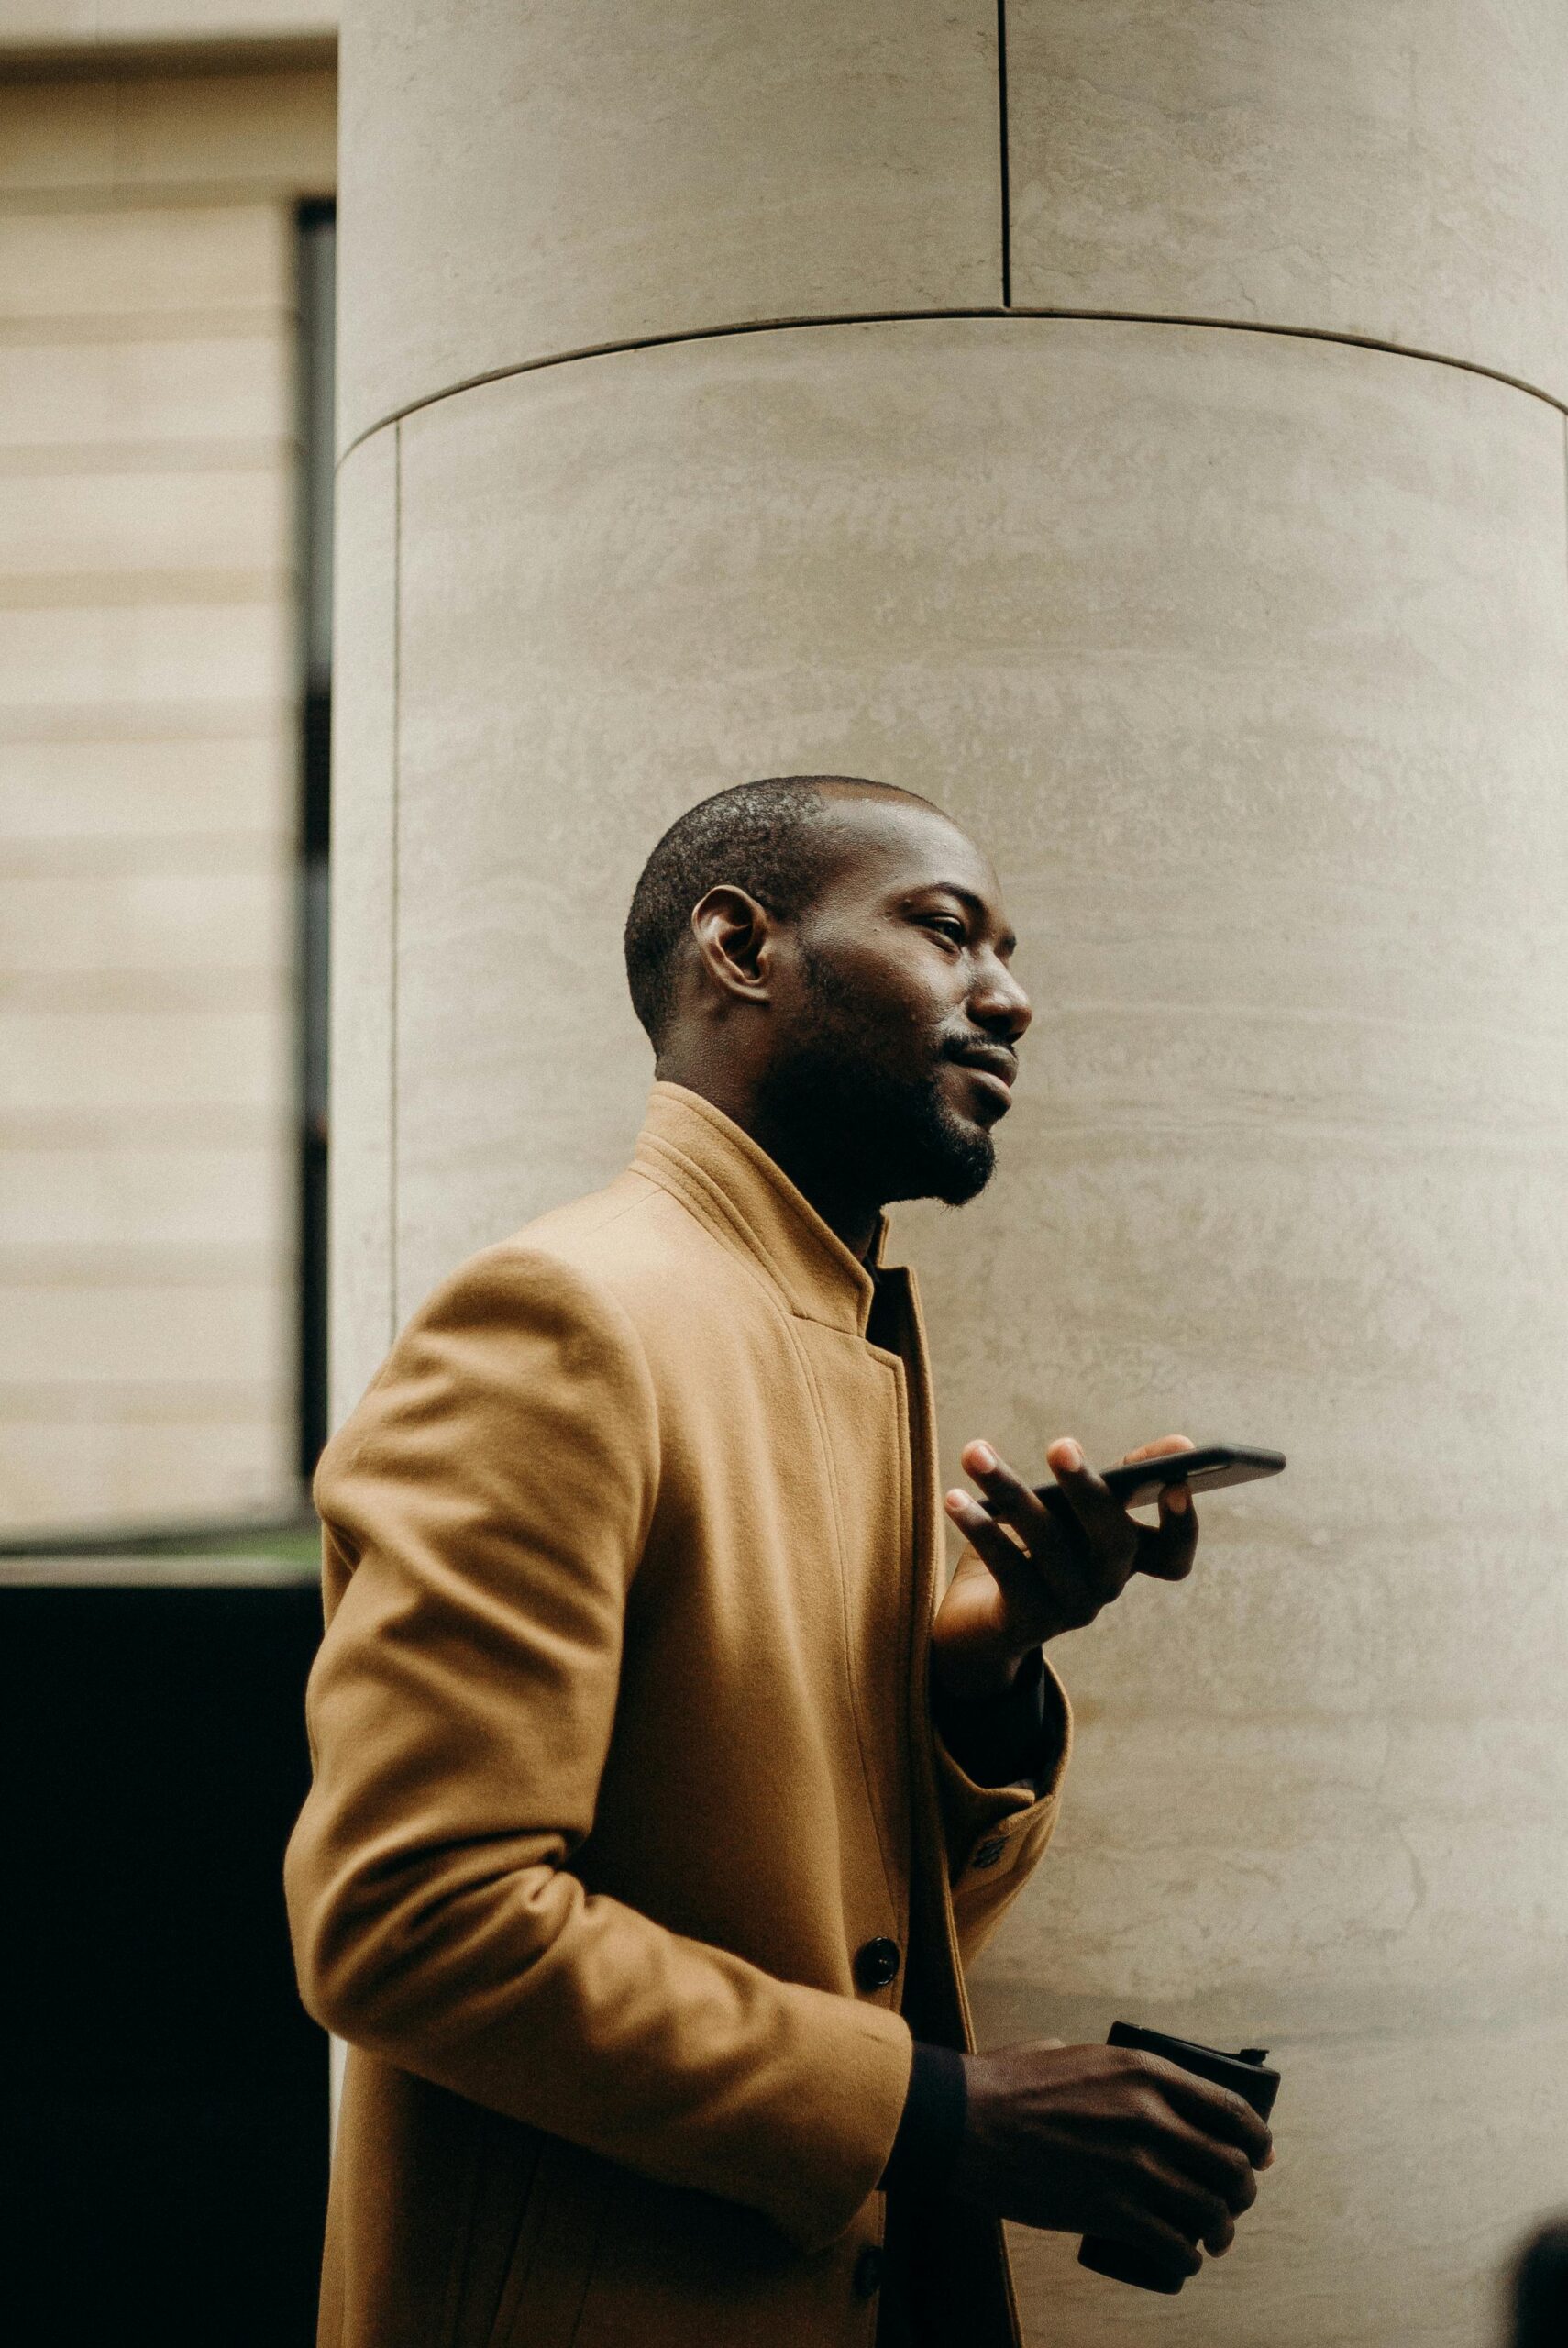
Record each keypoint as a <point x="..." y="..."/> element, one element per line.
<point x="364" y="883"/>
<point x="1394" y="171"/>
<point x="610" y="171"/>
<point x="1243" y="653"/>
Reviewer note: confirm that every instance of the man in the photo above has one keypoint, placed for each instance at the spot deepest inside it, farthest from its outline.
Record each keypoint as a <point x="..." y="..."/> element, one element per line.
<point x="658" y="1800"/>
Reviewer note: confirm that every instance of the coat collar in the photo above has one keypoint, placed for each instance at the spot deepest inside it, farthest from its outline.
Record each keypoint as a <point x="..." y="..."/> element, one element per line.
<point x="690" y="1147"/>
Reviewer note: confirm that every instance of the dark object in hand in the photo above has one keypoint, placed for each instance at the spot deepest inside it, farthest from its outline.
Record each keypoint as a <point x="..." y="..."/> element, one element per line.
<point x="1208" y="1469"/>
<point x="1244" y="2074"/>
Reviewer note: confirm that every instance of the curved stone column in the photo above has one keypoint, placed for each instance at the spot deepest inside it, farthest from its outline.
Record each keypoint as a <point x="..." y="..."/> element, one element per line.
<point x="1245" y="652"/>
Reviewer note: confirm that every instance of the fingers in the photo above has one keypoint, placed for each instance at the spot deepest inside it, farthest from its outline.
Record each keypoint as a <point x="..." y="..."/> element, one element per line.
<point x="1166" y="1550"/>
<point x="1193" y="2214"/>
<point x="1078" y="1533"/>
<point x="1212" y="2110"/>
<point x="1010" y="1499"/>
<point x="1109" y="1530"/>
<point x="1038" y="1555"/>
<point x="1143" y="2230"/>
<point x="999" y="1551"/>
<point x="1198" y="2159"/>
<point x="1224" y="2170"/>
<point x="1105" y="2140"/>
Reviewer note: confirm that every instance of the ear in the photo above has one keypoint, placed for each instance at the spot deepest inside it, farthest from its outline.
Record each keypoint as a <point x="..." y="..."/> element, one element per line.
<point x="735" y="937"/>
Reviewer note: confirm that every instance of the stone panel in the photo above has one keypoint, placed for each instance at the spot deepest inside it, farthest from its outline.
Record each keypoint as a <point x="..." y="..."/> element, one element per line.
<point x="523" y="181"/>
<point x="152" y="263"/>
<point x="96" y="1333"/>
<point x="118" y="804"/>
<point x="152" y="653"/>
<point x="1394" y="171"/>
<point x="117" y="925"/>
<point x="223" y="1453"/>
<point x="245" y="130"/>
<point x="273" y="130"/>
<point x="140" y="1195"/>
<point x="149" y="805"/>
<point x="364" y="911"/>
<point x="156" y="398"/>
<point x="1244" y="653"/>
<point x="136" y="528"/>
<point x="146" y="1062"/>
<point x="108" y="25"/>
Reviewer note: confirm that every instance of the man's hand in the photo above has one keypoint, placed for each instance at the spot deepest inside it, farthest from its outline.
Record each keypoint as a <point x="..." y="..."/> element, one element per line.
<point x="1105" y="2140"/>
<point x="1044" y="1561"/>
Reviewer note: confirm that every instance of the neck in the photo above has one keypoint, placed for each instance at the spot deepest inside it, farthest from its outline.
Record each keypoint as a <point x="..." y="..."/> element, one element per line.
<point x="848" y="1216"/>
<point x="851" y="1217"/>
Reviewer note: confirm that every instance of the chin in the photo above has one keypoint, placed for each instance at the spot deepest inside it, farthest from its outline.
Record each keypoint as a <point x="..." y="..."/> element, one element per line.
<point x="961" y="1188"/>
<point x="954" y="1164"/>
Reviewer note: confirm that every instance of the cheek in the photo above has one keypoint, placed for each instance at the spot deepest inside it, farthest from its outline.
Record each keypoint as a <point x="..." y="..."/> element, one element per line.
<point x="911" y="982"/>
<point x="894" y="1000"/>
<point x="906" y="1016"/>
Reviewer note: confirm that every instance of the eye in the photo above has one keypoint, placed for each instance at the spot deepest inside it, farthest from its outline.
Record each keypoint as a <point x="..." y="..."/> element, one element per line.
<point x="946" y="925"/>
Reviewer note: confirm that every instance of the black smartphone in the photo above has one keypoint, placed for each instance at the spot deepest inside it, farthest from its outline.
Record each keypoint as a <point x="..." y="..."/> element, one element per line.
<point x="1245" y="2075"/>
<point x="1206" y="1469"/>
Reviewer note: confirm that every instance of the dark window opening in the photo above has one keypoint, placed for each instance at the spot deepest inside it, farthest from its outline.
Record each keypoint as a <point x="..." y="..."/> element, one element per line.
<point x="317" y="254"/>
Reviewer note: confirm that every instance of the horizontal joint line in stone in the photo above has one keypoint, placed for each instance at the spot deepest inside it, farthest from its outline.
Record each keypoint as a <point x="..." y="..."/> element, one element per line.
<point x="1015" y="311"/>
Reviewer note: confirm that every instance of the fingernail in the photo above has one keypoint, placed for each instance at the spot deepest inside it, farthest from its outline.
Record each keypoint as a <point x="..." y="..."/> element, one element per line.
<point x="984" y="1457"/>
<point x="955" y="1502"/>
<point x="1072" y="1457"/>
<point x="1176" y="1499"/>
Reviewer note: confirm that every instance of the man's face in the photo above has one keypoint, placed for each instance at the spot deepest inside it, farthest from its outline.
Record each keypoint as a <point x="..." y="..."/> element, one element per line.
<point x="897" y="1012"/>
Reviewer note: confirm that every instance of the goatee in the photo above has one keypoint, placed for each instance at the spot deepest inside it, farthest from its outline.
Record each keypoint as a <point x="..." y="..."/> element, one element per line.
<point x="842" y="1122"/>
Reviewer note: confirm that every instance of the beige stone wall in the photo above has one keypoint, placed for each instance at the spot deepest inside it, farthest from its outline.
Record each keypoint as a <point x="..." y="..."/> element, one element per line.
<point x="110" y="28"/>
<point x="1232" y="614"/>
<point x="148" y="787"/>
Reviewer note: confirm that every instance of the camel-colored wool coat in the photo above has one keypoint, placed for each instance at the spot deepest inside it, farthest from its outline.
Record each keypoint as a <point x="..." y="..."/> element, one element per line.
<point x="620" y="1753"/>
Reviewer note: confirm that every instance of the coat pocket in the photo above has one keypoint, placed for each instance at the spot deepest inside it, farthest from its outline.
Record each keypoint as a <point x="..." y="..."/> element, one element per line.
<point x="554" y="2245"/>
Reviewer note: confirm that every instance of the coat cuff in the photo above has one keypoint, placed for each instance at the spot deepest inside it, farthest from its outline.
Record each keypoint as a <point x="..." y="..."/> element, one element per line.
<point x="926" y="2146"/>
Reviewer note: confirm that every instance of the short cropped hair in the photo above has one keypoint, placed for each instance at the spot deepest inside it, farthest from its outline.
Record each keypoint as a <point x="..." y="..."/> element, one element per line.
<point x="770" y="838"/>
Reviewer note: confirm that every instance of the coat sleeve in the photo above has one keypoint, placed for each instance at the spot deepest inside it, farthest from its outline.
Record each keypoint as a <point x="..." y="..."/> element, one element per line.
<point x="486" y="1508"/>
<point x="996" y="1835"/>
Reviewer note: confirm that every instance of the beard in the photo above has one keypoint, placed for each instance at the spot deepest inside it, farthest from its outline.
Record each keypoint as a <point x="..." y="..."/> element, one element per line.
<point x="840" y="1120"/>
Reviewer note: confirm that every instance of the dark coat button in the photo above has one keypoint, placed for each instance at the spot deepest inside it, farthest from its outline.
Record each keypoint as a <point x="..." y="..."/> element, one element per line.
<point x="877" y="1964"/>
<point x="867" y="2270"/>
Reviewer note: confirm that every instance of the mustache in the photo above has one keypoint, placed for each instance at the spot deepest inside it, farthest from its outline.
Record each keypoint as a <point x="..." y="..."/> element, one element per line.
<point x="976" y="1049"/>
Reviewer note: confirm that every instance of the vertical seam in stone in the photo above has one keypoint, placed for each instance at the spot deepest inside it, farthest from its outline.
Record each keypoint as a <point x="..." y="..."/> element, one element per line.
<point x="396" y="831"/>
<point x="1565" y="489"/>
<point x="1001" y="132"/>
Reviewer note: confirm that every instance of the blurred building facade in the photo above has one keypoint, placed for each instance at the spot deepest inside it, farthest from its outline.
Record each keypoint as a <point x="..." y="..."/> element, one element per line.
<point x="166" y="184"/>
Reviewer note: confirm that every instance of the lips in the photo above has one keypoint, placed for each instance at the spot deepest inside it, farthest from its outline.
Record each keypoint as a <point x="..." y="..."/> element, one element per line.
<point x="994" y="1066"/>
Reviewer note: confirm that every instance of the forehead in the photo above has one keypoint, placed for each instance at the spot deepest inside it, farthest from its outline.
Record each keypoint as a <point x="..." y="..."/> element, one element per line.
<point x="891" y="846"/>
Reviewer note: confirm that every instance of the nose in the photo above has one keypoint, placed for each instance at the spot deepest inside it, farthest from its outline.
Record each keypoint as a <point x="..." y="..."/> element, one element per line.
<point x="998" y="1004"/>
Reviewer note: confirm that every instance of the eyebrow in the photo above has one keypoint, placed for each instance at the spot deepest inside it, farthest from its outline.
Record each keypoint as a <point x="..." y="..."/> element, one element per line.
<point x="1006" y="943"/>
